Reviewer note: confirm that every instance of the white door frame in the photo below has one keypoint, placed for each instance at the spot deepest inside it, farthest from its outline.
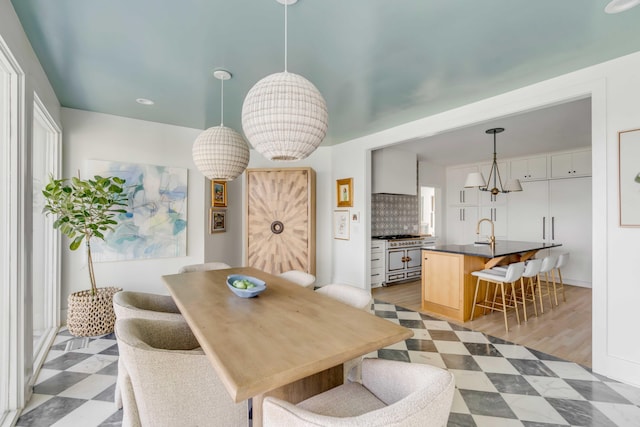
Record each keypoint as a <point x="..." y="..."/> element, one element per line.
<point x="12" y="235"/>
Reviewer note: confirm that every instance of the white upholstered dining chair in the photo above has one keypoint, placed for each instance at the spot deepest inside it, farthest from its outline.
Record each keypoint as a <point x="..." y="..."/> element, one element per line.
<point x="299" y="277"/>
<point x="392" y="393"/>
<point x="139" y="305"/>
<point x="355" y="297"/>
<point x="172" y="380"/>
<point x="203" y="267"/>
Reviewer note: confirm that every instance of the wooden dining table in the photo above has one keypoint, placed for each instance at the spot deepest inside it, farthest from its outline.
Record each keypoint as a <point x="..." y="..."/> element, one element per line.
<point x="289" y="341"/>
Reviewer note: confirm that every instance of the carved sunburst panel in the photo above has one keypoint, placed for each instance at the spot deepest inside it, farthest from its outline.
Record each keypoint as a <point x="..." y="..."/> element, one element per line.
<point x="278" y="220"/>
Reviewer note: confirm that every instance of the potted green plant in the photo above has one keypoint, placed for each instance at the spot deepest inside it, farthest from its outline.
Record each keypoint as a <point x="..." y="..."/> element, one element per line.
<point x="87" y="209"/>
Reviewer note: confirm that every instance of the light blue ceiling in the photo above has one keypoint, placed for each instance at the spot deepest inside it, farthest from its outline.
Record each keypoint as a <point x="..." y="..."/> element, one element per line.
<point x="378" y="63"/>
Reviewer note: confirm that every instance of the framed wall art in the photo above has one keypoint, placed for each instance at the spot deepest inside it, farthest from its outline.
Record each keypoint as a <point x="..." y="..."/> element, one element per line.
<point x="219" y="194"/>
<point x="629" y="177"/>
<point x="217" y="220"/>
<point x="344" y="192"/>
<point x="341" y="224"/>
<point x="155" y="225"/>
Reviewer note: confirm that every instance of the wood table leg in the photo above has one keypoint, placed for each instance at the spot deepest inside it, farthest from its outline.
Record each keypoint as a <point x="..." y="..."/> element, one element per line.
<point x="300" y="390"/>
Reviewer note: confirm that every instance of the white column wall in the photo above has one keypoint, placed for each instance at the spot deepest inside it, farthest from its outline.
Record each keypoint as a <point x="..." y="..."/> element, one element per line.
<point x="615" y="88"/>
<point x="94" y="136"/>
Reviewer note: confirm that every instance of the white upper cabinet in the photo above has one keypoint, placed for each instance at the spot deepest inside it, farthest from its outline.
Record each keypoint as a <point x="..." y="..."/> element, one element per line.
<point x="571" y="165"/>
<point x="394" y="172"/>
<point x="530" y="169"/>
<point x="457" y="194"/>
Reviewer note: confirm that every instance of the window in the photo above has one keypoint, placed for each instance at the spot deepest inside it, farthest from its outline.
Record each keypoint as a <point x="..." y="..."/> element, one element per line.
<point x="45" y="150"/>
<point x="428" y="211"/>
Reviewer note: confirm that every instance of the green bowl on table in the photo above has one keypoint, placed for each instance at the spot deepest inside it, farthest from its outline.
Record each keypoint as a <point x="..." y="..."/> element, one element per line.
<point x="245" y="286"/>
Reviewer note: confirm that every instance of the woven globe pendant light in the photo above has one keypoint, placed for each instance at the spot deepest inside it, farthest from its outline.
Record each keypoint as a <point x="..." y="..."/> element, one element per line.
<point x="219" y="152"/>
<point x="284" y="116"/>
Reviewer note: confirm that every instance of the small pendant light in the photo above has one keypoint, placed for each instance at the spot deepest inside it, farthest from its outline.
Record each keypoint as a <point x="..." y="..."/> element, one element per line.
<point x="219" y="152"/>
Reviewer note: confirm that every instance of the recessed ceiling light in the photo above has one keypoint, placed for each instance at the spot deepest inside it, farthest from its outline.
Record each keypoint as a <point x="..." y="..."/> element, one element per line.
<point x="144" y="101"/>
<point x="617" y="6"/>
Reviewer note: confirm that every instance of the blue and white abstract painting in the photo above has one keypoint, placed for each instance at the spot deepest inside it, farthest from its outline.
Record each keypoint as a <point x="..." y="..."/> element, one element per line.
<point x="155" y="225"/>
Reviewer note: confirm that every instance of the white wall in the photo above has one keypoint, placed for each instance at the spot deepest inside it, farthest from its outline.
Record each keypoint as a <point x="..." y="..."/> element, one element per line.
<point x="320" y="161"/>
<point x="434" y="175"/>
<point x="94" y="136"/>
<point x="615" y="88"/>
<point x="225" y="247"/>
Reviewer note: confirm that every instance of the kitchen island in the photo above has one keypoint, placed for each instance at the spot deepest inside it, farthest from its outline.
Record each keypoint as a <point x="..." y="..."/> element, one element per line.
<point x="447" y="284"/>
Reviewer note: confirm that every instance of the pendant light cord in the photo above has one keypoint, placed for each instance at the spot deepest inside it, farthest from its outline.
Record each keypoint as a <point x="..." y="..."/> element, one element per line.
<point x="221" y="102"/>
<point x="285" y="35"/>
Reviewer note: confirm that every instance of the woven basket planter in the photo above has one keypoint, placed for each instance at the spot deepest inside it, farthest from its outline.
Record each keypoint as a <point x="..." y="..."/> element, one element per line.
<point x="91" y="315"/>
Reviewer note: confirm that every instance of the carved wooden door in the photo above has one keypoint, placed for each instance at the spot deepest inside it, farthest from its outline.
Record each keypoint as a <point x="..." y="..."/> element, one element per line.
<point x="281" y="229"/>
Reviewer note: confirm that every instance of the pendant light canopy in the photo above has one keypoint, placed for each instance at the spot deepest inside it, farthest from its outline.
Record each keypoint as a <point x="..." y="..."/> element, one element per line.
<point x="476" y="179"/>
<point x="219" y="152"/>
<point x="284" y="116"/>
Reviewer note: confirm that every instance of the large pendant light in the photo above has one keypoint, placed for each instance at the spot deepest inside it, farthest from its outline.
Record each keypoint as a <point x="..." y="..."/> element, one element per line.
<point x="476" y="179"/>
<point x="284" y="116"/>
<point x="219" y="152"/>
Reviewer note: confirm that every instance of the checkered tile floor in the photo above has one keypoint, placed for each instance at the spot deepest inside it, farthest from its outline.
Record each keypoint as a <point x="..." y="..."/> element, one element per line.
<point x="498" y="383"/>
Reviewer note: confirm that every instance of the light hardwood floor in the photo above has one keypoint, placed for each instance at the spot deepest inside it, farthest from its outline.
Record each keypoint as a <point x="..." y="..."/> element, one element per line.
<point x="564" y="331"/>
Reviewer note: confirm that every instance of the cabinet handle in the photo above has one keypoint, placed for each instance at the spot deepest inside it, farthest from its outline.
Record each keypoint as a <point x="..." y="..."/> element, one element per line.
<point x="553" y="228"/>
<point x="460" y="196"/>
<point x="376" y="259"/>
<point x="408" y="258"/>
<point x="544" y="228"/>
<point x="376" y="274"/>
<point x="464" y="216"/>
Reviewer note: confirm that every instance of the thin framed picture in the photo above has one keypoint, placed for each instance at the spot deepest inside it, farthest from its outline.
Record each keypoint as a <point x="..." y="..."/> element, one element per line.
<point x="629" y="178"/>
<point x="217" y="220"/>
<point x="344" y="192"/>
<point x="341" y="224"/>
<point x="219" y="194"/>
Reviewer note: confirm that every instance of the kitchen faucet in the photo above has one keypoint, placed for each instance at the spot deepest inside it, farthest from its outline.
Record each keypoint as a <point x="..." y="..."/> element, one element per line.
<point x="492" y="239"/>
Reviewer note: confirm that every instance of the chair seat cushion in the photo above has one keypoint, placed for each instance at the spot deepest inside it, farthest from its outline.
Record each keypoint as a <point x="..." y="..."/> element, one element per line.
<point x="347" y="400"/>
<point x="489" y="274"/>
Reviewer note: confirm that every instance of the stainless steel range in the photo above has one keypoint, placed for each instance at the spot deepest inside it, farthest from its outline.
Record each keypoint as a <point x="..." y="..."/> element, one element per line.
<point x="403" y="257"/>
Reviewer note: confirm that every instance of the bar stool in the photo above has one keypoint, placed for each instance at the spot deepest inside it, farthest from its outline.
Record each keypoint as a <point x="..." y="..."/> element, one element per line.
<point x="531" y="270"/>
<point x="548" y="263"/>
<point x="563" y="259"/>
<point x="513" y="274"/>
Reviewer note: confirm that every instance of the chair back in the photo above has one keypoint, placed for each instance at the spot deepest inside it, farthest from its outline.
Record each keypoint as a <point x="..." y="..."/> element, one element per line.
<point x="127" y="304"/>
<point x="203" y="267"/>
<point x="563" y="259"/>
<point x="172" y="379"/>
<point x="358" y="298"/>
<point x="514" y="272"/>
<point x="392" y="393"/>
<point x="299" y="277"/>
<point x="548" y="263"/>
<point x="532" y="268"/>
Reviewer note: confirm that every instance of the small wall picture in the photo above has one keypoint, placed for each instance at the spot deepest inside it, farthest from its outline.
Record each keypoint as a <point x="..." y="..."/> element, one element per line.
<point x="217" y="220"/>
<point x="219" y="194"/>
<point x="341" y="224"/>
<point x="344" y="192"/>
<point x="355" y="216"/>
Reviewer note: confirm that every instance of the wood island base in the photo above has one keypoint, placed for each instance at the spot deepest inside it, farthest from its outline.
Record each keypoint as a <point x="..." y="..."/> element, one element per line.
<point x="447" y="284"/>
